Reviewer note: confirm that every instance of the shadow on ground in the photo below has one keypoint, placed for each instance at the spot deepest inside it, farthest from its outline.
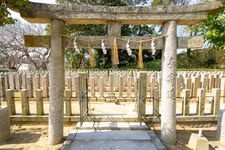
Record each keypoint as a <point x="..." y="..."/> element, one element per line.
<point x="22" y="138"/>
<point x="183" y="137"/>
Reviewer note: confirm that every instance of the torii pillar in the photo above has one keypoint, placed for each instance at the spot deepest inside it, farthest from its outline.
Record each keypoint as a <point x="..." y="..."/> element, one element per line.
<point x="169" y="59"/>
<point x="56" y="82"/>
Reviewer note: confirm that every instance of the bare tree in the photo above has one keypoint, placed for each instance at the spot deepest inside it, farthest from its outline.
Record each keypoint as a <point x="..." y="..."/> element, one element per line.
<point x="12" y="50"/>
<point x="181" y="2"/>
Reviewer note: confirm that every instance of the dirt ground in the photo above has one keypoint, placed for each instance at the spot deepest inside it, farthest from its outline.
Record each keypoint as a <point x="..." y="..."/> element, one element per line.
<point x="184" y="132"/>
<point x="35" y="136"/>
<point x="32" y="137"/>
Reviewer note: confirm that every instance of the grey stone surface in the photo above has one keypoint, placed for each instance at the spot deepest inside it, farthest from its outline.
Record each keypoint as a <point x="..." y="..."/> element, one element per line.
<point x="113" y="125"/>
<point x="114" y="140"/>
<point x="112" y="145"/>
<point x="112" y="135"/>
<point x="56" y="83"/>
<point x="89" y="14"/>
<point x="221" y="126"/>
<point x="102" y="139"/>
<point x="198" y="143"/>
<point x="4" y="124"/>
<point x="168" y="94"/>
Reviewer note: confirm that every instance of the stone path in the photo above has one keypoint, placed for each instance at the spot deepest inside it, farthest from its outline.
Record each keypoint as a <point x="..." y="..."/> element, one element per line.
<point x="112" y="136"/>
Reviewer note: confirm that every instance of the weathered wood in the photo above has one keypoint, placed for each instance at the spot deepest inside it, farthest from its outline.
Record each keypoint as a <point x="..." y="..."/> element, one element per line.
<point x="129" y="84"/>
<point x="36" y="82"/>
<point x="25" y="102"/>
<point x="156" y="103"/>
<point x="68" y="105"/>
<point x="39" y="102"/>
<point x="24" y="82"/>
<point x="92" y="87"/>
<point x="89" y="14"/>
<point x="101" y="88"/>
<point x="12" y="81"/>
<point x="77" y="85"/>
<point x="29" y="86"/>
<point x="195" y="86"/>
<point x="222" y="87"/>
<point x="69" y="83"/>
<point x="212" y="82"/>
<point x="18" y="81"/>
<point x="121" y="87"/>
<point x="111" y="86"/>
<point x="2" y="87"/>
<point x="178" y="86"/>
<point x="141" y="95"/>
<point x="10" y="101"/>
<point x="44" y="85"/>
<point x="152" y="86"/>
<point x="188" y="84"/>
<point x="201" y="101"/>
<point x="6" y="81"/>
<point x="216" y="101"/>
<point x="95" y="41"/>
<point x="205" y="83"/>
<point x="186" y="102"/>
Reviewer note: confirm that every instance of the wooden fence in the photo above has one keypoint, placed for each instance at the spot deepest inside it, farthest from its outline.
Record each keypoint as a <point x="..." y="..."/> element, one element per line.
<point x="194" y="91"/>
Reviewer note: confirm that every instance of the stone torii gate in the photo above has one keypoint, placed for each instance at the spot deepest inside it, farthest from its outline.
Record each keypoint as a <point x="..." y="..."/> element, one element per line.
<point x="169" y="17"/>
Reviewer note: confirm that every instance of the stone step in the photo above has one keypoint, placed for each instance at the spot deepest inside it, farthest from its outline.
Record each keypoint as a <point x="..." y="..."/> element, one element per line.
<point x="112" y="118"/>
<point x="112" y="126"/>
<point x="112" y="140"/>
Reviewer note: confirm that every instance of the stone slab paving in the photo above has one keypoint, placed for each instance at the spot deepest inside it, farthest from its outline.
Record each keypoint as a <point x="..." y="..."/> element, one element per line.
<point x="113" y="125"/>
<point x="107" y="139"/>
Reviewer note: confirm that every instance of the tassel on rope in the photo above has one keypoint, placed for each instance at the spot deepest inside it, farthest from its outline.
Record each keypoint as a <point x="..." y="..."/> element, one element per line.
<point x="140" y="57"/>
<point x="115" y="53"/>
<point x="91" y="58"/>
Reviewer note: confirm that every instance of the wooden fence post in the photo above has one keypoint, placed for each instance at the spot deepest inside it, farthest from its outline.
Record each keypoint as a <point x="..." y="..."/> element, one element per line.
<point x="196" y="85"/>
<point x="129" y="87"/>
<point x="45" y="85"/>
<point x="222" y="86"/>
<point x="156" y="103"/>
<point x="29" y="86"/>
<point x="212" y="82"/>
<point x="39" y="102"/>
<point x="178" y="86"/>
<point x="120" y="87"/>
<point x="2" y="87"/>
<point x="12" y="81"/>
<point x="216" y="100"/>
<point x="92" y="87"/>
<point x="205" y="83"/>
<point x="10" y="101"/>
<point x="201" y="101"/>
<point x="152" y="85"/>
<point x="78" y="87"/>
<point x="186" y="102"/>
<point x="18" y="81"/>
<point x="188" y="83"/>
<point x="24" y="82"/>
<point x="68" y="95"/>
<point x="101" y="88"/>
<point x="25" y="102"/>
